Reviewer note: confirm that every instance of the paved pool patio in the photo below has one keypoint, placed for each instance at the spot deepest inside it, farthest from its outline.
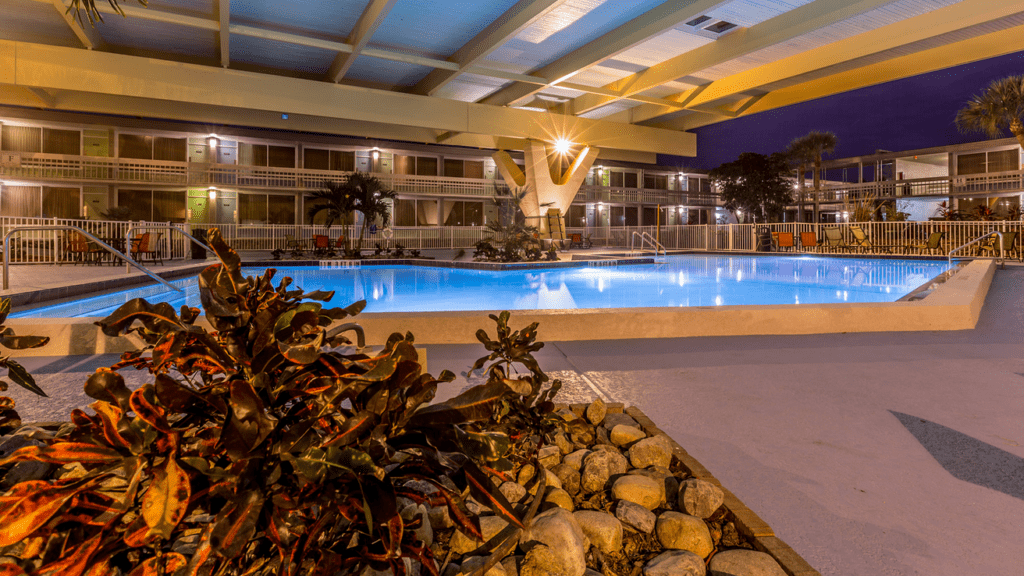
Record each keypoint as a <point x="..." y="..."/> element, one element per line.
<point x="869" y="453"/>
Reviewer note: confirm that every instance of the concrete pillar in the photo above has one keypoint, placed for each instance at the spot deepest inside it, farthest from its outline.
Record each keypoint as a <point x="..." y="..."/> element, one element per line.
<point x="542" y="188"/>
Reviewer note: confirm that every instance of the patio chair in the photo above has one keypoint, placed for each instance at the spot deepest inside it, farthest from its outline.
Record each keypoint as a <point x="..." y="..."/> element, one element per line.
<point x="577" y="241"/>
<point x="860" y="238"/>
<point x="82" y="251"/>
<point x="321" y="245"/>
<point x="785" y="240"/>
<point x="764" y="239"/>
<point x="991" y="246"/>
<point x="290" y="243"/>
<point x="834" y="239"/>
<point x="933" y="245"/>
<point x="808" y="241"/>
<point x="147" y="247"/>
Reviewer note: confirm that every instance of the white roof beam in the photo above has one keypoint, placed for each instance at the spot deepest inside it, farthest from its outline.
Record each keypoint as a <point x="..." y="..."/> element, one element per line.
<point x="224" y="31"/>
<point x="371" y="19"/>
<point x="781" y="28"/>
<point x="507" y="26"/>
<point x="637" y="30"/>
<point x="89" y="37"/>
<point x="183" y="86"/>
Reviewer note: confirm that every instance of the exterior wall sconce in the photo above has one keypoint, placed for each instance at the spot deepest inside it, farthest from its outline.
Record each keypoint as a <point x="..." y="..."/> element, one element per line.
<point x="213" y="193"/>
<point x="375" y="154"/>
<point x="600" y="170"/>
<point x="213" y="141"/>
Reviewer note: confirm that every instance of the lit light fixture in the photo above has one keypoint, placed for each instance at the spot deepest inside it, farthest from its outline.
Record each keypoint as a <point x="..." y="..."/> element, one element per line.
<point x="562" y="146"/>
<point x="376" y="153"/>
<point x="213" y="140"/>
<point x="600" y="169"/>
<point x="213" y="193"/>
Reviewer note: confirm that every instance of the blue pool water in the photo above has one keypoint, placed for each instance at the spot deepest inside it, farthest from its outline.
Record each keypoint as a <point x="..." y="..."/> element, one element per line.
<point x="690" y="280"/>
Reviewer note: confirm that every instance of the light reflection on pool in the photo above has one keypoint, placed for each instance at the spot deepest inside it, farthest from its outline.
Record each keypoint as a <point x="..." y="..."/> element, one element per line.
<point x="690" y="280"/>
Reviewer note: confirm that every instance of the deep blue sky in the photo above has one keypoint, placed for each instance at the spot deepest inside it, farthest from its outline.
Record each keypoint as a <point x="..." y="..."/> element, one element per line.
<point x="907" y="114"/>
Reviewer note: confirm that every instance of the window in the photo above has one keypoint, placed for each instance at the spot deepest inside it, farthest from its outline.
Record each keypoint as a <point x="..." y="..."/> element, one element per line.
<point x="135" y="146"/>
<point x="970" y="164"/>
<point x="656" y="181"/>
<point x="458" y="213"/>
<point x="45" y="201"/>
<point x="616" y="179"/>
<point x="154" y="206"/>
<point x="418" y="165"/>
<point x="343" y="161"/>
<point x="20" y="139"/>
<point x="313" y="159"/>
<point x="629" y="180"/>
<point x="405" y="212"/>
<point x="577" y="216"/>
<point x="170" y="149"/>
<point x="409" y="212"/>
<point x="281" y="156"/>
<point x="61" y="202"/>
<point x="474" y="169"/>
<point x="266" y="209"/>
<point x="1003" y="161"/>
<point x="426" y="166"/>
<point x="650" y="216"/>
<point x="62" y="142"/>
<point x="454" y="168"/>
<point x="252" y="154"/>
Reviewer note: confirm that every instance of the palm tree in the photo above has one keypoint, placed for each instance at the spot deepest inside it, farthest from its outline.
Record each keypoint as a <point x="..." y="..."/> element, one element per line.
<point x="802" y="157"/>
<point x="369" y="195"/>
<point x="999" y="107"/>
<point x="92" y="12"/>
<point x="816" y="145"/>
<point x="334" y="198"/>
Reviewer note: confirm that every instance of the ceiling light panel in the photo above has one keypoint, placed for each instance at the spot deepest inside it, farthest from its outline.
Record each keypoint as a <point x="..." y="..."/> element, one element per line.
<point x="333" y="20"/>
<point x="470" y="87"/>
<point x="613" y="108"/>
<point x="662" y="47"/>
<point x="558" y="19"/>
<point x="747" y="13"/>
<point x="438" y="28"/>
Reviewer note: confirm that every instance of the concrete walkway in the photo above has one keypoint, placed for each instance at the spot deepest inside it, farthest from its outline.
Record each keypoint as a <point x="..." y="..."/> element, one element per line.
<point x="870" y="454"/>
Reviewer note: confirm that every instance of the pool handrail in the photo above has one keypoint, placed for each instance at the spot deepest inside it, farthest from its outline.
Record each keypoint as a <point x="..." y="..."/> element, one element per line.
<point x="128" y="237"/>
<point x="998" y="233"/>
<point x="130" y="261"/>
<point x="644" y="238"/>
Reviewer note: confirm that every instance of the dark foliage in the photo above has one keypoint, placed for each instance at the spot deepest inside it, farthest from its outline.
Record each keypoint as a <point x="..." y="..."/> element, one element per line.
<point x="270" y="446"/>
<point x="756" y="184"/>
<point x="9" y="419"/>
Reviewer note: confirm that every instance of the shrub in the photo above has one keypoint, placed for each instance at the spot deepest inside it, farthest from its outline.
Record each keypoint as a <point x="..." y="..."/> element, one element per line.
<point x="9" y="418"/>
<point x="264" y="447"/>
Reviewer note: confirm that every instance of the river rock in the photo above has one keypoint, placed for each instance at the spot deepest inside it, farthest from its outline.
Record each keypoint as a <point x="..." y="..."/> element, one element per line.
<point x="564" y="444"/>
<point x="597" y="470"/>
<point x="560" y="498"/>
<point x="489" y="525"/>
<point x="474" y="563"/>
<point x="744" y="563"/>
<point x="603" y="530"/>
<point x="557" y="530"/>
<point x="567" y="414"/>
<point x="638" y="489"/>
<point x="425" y="532"/>
<point x="440" y="518"/>
<point x="655" y="451"/>
<point x="602" y="437"/>
<point x="676" y="563"/>
<point x="678" y="531"/>
<point x="596" y="411"/>
<point x="549" y="478"/>
<point x="568" y="477"/>
<point x="635" y="516"/>
<point x="575" y="459"/>
<point x="612" y="420"/>
<point x="512" y="491"/>
<point x="699" y="498"/>
<point x="662" y="475"/>
<point x="511" y="565"/>
<point x="549" y="456"/>
<point x="623" y="435"/>
<point x="526" y="473"/>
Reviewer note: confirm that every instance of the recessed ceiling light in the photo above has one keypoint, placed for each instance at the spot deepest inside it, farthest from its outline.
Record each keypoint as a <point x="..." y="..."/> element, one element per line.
<point x="719" y="27"/>
<point x="698" y="20"/>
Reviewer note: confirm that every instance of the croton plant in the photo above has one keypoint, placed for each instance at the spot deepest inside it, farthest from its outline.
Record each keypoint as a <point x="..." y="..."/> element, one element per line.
<point x="271" y="446"/>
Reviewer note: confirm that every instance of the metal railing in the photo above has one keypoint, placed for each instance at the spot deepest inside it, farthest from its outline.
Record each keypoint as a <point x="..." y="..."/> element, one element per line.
<point x="100" y="243"/>
<point x="128" y="237"/>
<point x="646" y="238"/>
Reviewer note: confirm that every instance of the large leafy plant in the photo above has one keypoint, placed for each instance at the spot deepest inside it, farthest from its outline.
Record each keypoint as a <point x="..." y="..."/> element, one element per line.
<point x="9" y="418"/>
<point x="264" y="447"/>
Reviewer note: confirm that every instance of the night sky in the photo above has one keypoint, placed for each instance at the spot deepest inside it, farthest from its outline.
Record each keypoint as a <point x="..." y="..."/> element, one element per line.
<point x="907" y="114"/>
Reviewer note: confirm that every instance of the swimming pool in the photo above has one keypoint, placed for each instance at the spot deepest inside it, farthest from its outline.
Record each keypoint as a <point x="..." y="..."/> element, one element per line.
<point x="679" y="281"/>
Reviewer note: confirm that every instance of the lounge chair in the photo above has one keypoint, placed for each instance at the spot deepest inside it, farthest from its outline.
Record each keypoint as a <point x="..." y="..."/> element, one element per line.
<point x="808" y="241"/>
<point x="934" y="244"/>
<point x="82" y="251"/>
<point x="834" y="239"/>
<point x="785" y="240"/>
<point x="860" y="238"/>
<point x="991" y="246"/>
<point x="578" y="241"/>
<point x="290" y="243"/>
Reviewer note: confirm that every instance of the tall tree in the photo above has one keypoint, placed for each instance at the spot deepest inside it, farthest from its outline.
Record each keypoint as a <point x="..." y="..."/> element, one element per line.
<point x="89" y="6"/>
<point x="369" y="197"/>
<point x="801" y="157"/>
<point x="335" y="199"/>
<point x="815" y="145"/>
<point x="755" y="183"/>
<point x="999" y="107"/>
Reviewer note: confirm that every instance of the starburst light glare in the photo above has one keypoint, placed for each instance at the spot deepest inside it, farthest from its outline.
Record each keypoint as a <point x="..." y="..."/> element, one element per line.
<point x="562" y="146"/>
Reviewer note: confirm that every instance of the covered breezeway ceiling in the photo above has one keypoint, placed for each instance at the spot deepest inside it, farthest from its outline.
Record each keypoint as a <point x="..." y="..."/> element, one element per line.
<point x="629" y="76"/>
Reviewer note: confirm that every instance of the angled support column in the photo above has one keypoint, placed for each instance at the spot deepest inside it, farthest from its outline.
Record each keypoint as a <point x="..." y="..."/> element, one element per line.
<point x="543" y="191"/>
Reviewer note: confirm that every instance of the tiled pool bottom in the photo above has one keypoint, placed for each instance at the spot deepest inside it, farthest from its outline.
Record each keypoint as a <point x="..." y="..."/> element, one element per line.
<point x="673" y="282"/>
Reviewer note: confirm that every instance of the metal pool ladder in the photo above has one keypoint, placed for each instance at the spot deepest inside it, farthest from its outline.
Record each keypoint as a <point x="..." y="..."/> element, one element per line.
<point x="996" y="233"/>
<point x="646" y="238"/>
<point x="101" y="243"/>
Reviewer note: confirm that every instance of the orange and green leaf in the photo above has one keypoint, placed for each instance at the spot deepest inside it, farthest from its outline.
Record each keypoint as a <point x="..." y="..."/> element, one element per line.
<point x="166" y="501"/>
